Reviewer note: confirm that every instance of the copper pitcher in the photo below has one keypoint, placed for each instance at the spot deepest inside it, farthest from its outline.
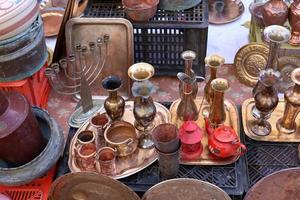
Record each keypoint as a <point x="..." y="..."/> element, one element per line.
<point x="294" y="19"/>
<point x="275" y="12"/>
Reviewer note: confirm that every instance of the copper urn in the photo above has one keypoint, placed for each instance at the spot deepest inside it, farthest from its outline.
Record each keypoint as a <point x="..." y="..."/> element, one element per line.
<point x="275" y="12"/>
<point x="294" y="19"/>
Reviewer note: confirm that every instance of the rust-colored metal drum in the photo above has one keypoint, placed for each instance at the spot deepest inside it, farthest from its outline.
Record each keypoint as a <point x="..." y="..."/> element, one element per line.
<point x="20" y="137"/>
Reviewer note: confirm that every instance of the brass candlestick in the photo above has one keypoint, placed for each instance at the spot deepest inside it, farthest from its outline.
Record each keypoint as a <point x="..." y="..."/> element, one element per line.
<point x="287" y="123"/>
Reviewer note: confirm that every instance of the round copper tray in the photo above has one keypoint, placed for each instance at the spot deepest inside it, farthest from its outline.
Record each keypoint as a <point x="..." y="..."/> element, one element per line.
<point x="91" y="186"/>
<point x="185" y="188"/>
<point x="249" y="61"/>
<point x="225" y="11"/>
<point x="280" y="185"/>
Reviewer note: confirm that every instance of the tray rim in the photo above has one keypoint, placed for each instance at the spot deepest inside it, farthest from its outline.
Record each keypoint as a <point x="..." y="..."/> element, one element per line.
<point x="90" y="21"/>
<point x="201" y="163"/>
<point x="261" y="138"/>
<point x="132" y="170"/>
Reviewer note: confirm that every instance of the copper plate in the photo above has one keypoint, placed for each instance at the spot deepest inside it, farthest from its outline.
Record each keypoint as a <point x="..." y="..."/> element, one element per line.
<point x="52" y="18"/>
<point x="282" y="185"/>
<point x="275" y="136"/>
<point x="120" y="48"/>
<point x="249" y="61"/>
<point x="207" y="158"/>
<point x="185" y="188"/>
<point x="91" y="186"/>
<point x="140" y="159"/>
<point x="225" y="11"/>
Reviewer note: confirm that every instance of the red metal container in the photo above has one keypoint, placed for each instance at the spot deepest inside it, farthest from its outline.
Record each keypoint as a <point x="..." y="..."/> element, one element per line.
<point x="20" y="136"/>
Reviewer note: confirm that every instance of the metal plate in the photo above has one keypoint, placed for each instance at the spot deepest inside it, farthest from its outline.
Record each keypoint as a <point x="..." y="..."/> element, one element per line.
<point x="91" y="186"/>
<point x="187" y="189"/>
<point x="232" y="119"/>
<point x="140" y="159"/>
<point x="275" y="136"/>
<point x="280" y="185"/>
<point x="249" y="61"/>
<point x="224" y="11"/>
<point x="120" y="48"/>
<point x="286" y="64"/>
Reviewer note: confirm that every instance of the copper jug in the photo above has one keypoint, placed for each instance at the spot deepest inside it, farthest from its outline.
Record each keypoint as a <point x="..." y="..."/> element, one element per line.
<point x="275" y="12"/>
<point x="294" y="19"/>
<point x="20" y="136"/>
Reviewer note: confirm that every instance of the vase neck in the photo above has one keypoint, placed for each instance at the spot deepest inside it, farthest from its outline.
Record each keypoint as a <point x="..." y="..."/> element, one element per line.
<point x="218" y="99"/>
<point x="273" y="55"/>
<point x="213" y="73"/>
<point x="113" y="94"/>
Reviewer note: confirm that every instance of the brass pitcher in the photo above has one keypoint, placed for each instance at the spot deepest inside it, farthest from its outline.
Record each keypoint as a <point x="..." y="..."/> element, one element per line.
<point x="287" y="123"/>
<point x="217" y="114"/>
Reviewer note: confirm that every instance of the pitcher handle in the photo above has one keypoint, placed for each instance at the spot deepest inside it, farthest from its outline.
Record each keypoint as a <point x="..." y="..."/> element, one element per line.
<point x="243" y="148"/>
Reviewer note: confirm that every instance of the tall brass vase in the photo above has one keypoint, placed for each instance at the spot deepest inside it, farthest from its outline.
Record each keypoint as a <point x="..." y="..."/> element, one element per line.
<point x="287" y="124"/>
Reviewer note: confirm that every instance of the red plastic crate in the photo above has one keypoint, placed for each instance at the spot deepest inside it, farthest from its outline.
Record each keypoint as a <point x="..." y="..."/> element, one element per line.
<point x="36" y="190"/>
<point x="36" y="88"/>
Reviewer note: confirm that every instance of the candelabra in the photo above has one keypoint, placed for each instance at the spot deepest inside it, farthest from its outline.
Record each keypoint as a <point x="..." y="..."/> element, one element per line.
<point x="74" y="75"/>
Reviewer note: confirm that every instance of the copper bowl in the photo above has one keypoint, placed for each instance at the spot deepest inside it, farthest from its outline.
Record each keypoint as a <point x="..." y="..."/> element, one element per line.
<point x="121" y="136"/>
<point x="139" y="10"/>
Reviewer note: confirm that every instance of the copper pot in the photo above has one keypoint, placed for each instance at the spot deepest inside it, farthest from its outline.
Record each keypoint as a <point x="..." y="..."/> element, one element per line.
<point x="140" y="10"/>
<point x="275" y="12"/>
<point x="294" y="19"/>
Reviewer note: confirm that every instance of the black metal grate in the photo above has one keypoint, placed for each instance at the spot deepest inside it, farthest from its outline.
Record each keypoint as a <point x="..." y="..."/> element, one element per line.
<point x="161" y="40"/>
<point x="264" y="158"/>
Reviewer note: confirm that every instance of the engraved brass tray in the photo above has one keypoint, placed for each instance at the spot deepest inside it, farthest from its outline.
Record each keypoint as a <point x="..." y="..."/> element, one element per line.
<point x="275" y="136"/>
<point x="232" y="119"/>
<point x="131" y="164"/>
<point x="120" y="48"/>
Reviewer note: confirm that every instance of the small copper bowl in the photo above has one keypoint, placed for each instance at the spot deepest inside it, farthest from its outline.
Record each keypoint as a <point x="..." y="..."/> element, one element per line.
<point x="140" y="10"/>
<point x="121" y="136"/>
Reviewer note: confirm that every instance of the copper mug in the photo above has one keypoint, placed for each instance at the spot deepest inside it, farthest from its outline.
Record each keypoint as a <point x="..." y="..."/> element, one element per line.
<point x="86" y="137"/>
<point x="98" y="124"/>
<point x="106" y="161"/>
<point x="85" y="157"/>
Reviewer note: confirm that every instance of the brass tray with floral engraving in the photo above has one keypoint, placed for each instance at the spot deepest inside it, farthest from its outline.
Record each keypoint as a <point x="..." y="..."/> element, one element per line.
<point x="128" y="165"/>
<point x="275" y="135"/>
<point x="206" y="158"/>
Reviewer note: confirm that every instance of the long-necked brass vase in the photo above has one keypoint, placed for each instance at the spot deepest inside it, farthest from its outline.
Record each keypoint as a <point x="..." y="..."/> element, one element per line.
<point x="187" y="109"/>
<point x="276" y="36"/>
<point x="294" y="19"/>
<point x="266" y="100"/>
<point x="213" y="62"/>
<point x="144" y="111"/>
<point x="287" y="123"/>
<point x="114" y="104"/>
<point x="217" y="114"/>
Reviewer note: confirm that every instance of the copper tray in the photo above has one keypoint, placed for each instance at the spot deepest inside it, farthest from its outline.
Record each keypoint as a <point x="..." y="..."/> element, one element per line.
<point x="232" y="119"/>
<point x="140" y="159"/>
<point x="230" y="11"/>
<point x="280" y="185"/>
<point x="120" y="49"/>
<point x="275" y="136"/>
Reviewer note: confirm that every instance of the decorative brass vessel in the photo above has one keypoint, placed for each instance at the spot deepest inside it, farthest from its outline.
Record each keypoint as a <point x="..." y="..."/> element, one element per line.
<point x="275" y="12"/>
<point x="266" y="100"/>
<point x="213" y="62"/>
<point x="287" y="124"/>
<point x="141" y="71"/>
<point x="114" y="105"/>
<point x="294" y="19"/>
<point x="217" y="115"/>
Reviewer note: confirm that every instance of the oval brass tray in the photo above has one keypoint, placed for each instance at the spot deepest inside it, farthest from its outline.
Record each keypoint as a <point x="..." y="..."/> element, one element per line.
<point x="222" y="12"/>
<point x="275" y="135"/>
<point x="249" y="61"/>
<point x="136" y="162"/>
<point x="232" y="119"/>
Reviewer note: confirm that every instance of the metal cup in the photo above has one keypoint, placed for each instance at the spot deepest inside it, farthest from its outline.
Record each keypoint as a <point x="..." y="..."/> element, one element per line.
<point x="169" y="163"/>
<point x="85" y="137"/>
<point x="166" y="138"/>
<point x="106" y="161"/>
<point x="85" y="157"/>
<point x="98" y="124"/>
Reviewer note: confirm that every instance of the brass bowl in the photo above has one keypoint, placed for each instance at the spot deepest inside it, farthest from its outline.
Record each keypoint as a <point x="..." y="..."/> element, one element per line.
<point x="141" y="71"/>
<point x="121" y="136"/>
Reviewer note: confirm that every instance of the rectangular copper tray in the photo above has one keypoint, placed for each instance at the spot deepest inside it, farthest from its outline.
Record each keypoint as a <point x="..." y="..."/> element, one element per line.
<point x="232" y="119"/>
<point x="275" y="136"/>
<point x="135" y="162"/>
<point x="120" y="49"/>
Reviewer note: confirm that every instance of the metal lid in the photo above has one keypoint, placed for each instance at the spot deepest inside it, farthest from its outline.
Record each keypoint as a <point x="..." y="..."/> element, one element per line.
<point x="225" y="134"/>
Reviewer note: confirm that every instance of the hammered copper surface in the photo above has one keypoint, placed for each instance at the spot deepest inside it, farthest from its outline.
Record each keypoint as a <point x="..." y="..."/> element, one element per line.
<point x="249" y="61"/>
<point x="282" y="185"/>
<point x="222" y="12"/>
<point x="120" y="48"/>
<point x="140" y="159"/>
<point x="89" y="186"/>
<point x="275" y="136"/>
<point x="232" y="120"/>
<point x="187" y="189"/>
<point x="294" y="17"/>
<point x="274" y="12"/>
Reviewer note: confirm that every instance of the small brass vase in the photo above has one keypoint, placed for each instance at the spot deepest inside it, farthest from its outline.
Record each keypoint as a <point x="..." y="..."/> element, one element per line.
<point x="114" y="104"/>
<point x="294" y="19"/>
<point x="287" y="124"/>
<point x="266" y="100"/>
<point x="213" y="62"/>
<point x="217" y="114"/>
<point x="274" y="12"/>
